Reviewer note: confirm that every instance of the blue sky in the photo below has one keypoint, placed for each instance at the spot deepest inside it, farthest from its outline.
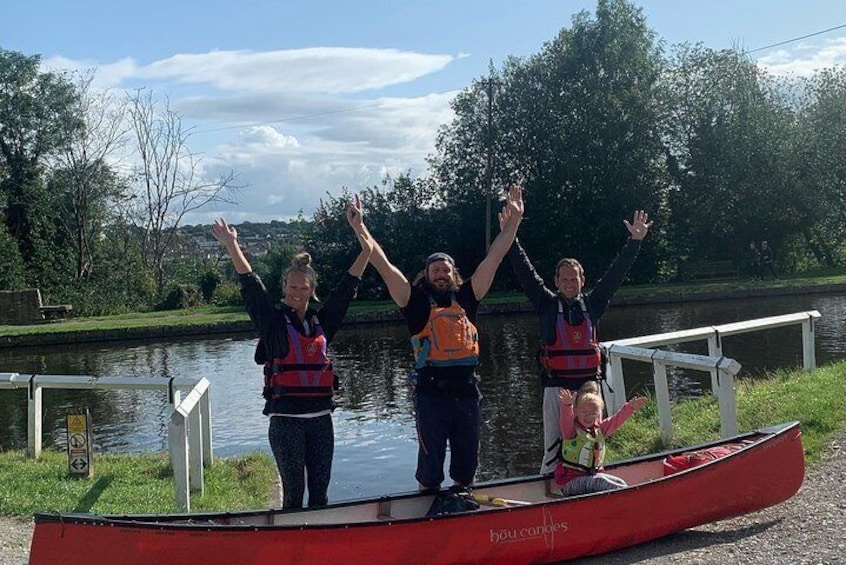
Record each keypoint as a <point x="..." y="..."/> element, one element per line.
<point x="303" y="98"/>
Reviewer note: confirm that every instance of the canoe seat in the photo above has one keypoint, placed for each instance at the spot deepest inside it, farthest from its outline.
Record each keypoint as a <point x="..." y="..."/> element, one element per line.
<point x="383" y="511"/>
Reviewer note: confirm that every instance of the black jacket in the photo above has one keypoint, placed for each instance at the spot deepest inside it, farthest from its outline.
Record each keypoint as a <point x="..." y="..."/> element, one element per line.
<point x="546" y="301"/>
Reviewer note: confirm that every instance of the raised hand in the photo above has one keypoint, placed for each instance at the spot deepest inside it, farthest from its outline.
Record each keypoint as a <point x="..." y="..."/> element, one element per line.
<point x="639" y="226"/>
<point x="512" y="211"/>
<point x="638" y="402"/>
<point x="223" y="232"/>
<point x="354" y="215"/>
<point x="356" y="221"/>
<point x="567" y="397"/>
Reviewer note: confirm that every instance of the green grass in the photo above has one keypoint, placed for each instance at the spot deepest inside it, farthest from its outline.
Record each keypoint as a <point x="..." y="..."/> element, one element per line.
<point x="204" y="316"/>
<point x="128" y="484"/>
<point x="813" y="398"/>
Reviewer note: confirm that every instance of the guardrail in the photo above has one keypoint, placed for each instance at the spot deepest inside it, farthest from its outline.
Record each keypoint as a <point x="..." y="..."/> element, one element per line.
<point x="725" y="368"/>
<point x="189" y="430"/>
<point x="722" y="369"/>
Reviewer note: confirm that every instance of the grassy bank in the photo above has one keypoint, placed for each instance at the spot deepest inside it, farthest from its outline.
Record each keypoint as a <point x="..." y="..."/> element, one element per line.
<point x="144" y="483"/>
<point x="128" y="484"/>
<point x="213" y="318"/>
<point x="813" y="398"/>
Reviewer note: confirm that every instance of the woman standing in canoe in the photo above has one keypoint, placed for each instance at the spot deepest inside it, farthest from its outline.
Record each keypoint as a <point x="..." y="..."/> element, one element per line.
<point x="298" y="377"/>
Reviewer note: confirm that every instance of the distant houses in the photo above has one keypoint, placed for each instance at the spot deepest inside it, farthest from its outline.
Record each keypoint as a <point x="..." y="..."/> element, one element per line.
<point x="196" y="242"/>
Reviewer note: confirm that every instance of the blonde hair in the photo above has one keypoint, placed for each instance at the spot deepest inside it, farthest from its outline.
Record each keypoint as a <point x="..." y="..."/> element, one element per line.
<point x="589" y="391"/>
<point x="301" y="263"/>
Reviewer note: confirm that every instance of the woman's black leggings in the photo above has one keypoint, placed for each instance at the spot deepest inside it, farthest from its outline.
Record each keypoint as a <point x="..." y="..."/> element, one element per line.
<point x="303" y="447"/>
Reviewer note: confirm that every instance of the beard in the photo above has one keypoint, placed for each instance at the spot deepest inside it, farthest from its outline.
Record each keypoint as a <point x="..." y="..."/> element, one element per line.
<point x="440" y="286"/>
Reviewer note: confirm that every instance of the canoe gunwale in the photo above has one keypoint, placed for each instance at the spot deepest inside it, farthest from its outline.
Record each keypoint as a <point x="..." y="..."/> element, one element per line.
<point x="210" y="521"/>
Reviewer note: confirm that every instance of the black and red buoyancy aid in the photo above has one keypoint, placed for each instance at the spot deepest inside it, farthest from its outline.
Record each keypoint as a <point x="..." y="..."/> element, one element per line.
<point x="575" y="354"/>
<point x="306" y="371"/>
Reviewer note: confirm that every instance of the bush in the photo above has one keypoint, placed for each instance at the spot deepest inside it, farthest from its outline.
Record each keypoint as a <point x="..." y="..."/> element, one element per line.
<point x="209" y="281"/>
<point x="227" y="293"/>
<point x="181" y="297"/>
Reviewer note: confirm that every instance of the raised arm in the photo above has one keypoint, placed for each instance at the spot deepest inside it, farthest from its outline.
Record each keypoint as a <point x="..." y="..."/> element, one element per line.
<point x="334" y="310"/>
<point x="566" y="417"/>
<point x="611" y="280"/>
<point x="398" y="286"/>
<point x="256" y="300"/>
<point x="354" y="218"/>
<point x="228" y="237"/>
<point x="510" y="217"/>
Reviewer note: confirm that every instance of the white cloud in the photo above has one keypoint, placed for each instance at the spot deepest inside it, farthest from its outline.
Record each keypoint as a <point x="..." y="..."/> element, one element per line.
<point x="805" y="59"/>
<point x="330" y="70"/>
<point x="284" y="121"/>
<point x="267" y="137"/>
<point x="288" y="173"/>
<point x="290" y="165"/>
<point x="107" y="76"/>
<point x="327" y="70"/>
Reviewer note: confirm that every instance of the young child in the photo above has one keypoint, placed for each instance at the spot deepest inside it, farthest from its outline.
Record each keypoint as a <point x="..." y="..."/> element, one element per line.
<point x="583" y="433"/>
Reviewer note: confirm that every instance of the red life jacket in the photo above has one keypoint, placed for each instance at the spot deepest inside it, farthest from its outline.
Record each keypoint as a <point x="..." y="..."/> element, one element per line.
<point x="306" y="371"/>
<point x="677" y="463"/>
<point x="575" y="353"/>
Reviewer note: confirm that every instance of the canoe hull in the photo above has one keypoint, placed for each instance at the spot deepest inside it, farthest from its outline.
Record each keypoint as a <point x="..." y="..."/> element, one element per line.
<point x="768" y="472"/>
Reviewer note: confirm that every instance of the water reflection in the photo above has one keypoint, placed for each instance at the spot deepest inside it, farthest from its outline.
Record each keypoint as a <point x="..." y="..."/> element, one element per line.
<point x="375" y="433"/>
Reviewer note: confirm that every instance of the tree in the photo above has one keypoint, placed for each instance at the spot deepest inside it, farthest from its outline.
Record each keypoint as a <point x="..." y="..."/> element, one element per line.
<point x="11" y="262"/>
<point x="579" y="122"/>
<point x="821" y="170"/>
<point x="168" y="179"/>
<point x="37" y="114"/>
<point x="86" y="184"/>
<point x="729" y="135"/>
<point x="400" y="214"/>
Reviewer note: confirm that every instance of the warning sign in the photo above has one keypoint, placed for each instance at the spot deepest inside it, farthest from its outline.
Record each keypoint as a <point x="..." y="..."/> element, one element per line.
<point x="77" y="423"/>
<point x="79" y="443"/>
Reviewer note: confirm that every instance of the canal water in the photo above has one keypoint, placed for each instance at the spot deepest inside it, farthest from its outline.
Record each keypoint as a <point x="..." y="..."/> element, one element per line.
<point x="375" y="447"/>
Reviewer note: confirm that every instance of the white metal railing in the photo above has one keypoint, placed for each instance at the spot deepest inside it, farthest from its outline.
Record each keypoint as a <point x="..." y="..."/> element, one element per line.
<point x="190" y="452"/>
<point x="724" y="367"/>
<point x="720" y="368"/>
<point x="189" y="431"/>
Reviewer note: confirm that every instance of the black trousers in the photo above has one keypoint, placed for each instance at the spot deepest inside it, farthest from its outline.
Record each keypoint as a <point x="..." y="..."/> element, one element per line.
<point x="303" y="449"/>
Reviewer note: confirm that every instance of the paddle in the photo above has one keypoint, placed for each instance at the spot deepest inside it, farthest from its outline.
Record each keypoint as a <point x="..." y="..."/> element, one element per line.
<point x="488" y="500"/>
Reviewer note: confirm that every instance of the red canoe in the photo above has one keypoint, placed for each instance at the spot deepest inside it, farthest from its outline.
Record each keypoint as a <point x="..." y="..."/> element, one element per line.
<point x="523" y="523"/>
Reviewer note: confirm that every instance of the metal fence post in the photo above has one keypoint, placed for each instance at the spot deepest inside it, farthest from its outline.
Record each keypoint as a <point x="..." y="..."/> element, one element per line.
<point x="727" y="401"/>
<point x="178" y="447"/>
<point x="662" y="399"/>
<point x="206" y="428"/>
<point x="809" y="358"/>
<point x="34" y="429"/>
<point x="615" y="385"/>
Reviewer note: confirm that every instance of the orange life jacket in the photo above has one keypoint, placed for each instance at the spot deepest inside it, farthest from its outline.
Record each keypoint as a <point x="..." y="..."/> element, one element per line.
<point x="449" y="338"/>
<point x="575" y="354"/>
<point x="306" y="371"/>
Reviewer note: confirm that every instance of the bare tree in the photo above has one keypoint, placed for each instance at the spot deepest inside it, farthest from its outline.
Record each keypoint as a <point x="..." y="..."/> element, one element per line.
<point x="168" y="178"/>
<point x="87" y="184"/>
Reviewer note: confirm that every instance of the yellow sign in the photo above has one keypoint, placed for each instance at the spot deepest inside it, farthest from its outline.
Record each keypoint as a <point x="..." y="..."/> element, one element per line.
<point x="76" y="423"/>
<point x="79" y="444"/>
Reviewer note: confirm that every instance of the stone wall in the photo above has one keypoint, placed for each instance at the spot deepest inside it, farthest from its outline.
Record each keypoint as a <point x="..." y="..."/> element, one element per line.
<point x="20" y="306"/>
